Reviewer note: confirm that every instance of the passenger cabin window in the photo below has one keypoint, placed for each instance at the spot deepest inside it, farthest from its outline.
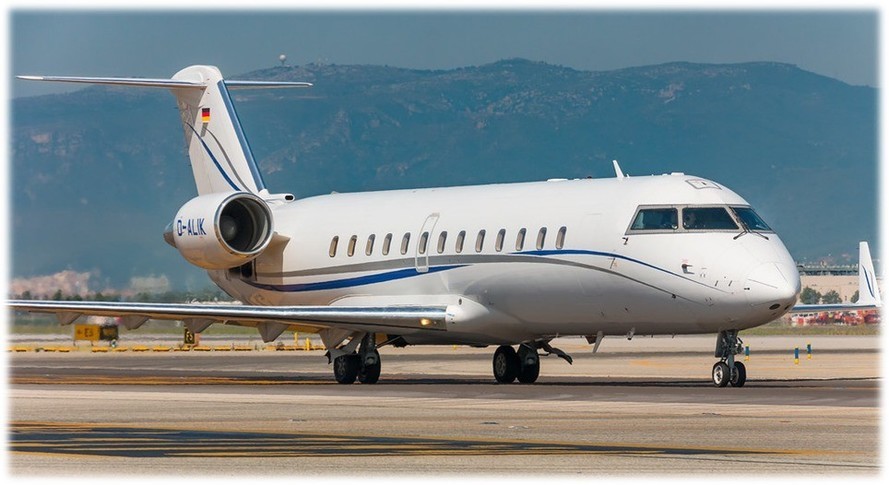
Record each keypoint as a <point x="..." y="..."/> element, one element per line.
<point x="498" y="243"/>
<point x="751" y="219"/>
<point x="461" y="236"/>
<point x="707" y="218"/>
<point x="352" y="241"/>
<point x="369" y="249"/>
<point x="424" y="238"/>
<point x="520" y="239"/>
<point x="560" y="237"/>
<point x="480" y="241"/>
<point x="442" y="238"/>
<point x="333" y="243"/>
<point x="387" y="241"/>
<point x="541" y="238"/>
<point x="405" y="241"/>
<point x="656" y="219"/>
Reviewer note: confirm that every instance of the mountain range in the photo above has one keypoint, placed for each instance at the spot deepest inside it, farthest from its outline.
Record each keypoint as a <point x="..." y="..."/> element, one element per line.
<point x="98" y="173"/>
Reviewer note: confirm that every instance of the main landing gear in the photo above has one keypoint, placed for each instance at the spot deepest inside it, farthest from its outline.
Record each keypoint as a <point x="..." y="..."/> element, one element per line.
<point x="363" y="365"/>
<point x="727" y="371"/>
<point x="523" y="365"/>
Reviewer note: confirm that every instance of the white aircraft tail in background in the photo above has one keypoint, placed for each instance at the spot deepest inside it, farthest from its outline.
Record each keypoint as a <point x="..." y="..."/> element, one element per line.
<point x="868" y="292"/>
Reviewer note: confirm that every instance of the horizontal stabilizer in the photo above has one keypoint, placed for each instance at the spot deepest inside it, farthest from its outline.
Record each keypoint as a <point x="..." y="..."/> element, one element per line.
<point x="165" y="83"/>
<point x="265" y="84"/>
<point x="120" y="81"/>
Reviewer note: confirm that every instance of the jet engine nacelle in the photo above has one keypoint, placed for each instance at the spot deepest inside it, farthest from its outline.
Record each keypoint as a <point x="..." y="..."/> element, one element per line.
<point x="221" y="230"/>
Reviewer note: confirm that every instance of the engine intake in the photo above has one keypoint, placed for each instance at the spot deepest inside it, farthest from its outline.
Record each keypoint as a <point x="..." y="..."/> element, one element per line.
<point x="221" y="231"/>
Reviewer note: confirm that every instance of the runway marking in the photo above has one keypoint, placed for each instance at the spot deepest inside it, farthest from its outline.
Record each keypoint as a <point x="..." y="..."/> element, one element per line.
<point x="160" y="380"/>
<point x="323" y="380"/>
<point x="87" y="439"/>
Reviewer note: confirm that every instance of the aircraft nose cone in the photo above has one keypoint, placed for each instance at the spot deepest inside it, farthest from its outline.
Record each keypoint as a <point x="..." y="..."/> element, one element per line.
<point x="774" y="286"/>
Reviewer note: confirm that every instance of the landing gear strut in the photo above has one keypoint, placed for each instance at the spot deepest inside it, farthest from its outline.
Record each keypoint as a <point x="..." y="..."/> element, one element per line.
<point x="369" y="373"/>
<point x="727" y="371"/>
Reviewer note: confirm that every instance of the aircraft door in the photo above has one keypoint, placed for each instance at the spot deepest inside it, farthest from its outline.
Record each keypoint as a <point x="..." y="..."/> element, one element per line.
<point x="425" y="243"/>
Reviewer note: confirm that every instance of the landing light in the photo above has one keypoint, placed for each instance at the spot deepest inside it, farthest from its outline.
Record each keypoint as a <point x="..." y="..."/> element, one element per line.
<point x="425" y="322"/>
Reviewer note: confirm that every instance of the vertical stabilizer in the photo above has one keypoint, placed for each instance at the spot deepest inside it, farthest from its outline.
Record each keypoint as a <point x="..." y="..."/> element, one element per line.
<point x="868" y="292"/>
<point x="220" y="156"/>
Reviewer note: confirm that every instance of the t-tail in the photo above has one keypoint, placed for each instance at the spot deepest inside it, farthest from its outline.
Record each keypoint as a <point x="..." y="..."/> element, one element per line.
<point x="220" y="156"/>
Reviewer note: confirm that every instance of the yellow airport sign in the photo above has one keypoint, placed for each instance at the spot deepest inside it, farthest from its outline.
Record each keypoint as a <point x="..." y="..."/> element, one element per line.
<point x="86" y="332"/>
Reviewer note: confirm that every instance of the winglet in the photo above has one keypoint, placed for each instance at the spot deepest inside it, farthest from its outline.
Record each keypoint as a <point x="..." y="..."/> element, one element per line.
<point x="868" y="292"/>
<point x="617" y="171"/>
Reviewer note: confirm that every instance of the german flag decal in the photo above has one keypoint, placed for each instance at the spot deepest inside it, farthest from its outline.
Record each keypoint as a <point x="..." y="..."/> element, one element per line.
<point x="205" y="115"/>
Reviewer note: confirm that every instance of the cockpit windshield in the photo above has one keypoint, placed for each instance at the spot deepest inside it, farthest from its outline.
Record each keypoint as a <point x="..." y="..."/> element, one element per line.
<point x="707" y="218"/>
<point x="695" y="218"/>
<point x="751" y="219"/>
<point x="655" y="219"/>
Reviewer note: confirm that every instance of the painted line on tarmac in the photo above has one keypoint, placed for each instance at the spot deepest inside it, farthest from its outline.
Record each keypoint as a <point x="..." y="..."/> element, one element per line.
<point x="87" y="439"/>
<point x="159" y="380"/>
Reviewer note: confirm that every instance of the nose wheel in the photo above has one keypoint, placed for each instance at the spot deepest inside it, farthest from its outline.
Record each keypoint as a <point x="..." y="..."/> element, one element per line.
<point x="728" y="372"/>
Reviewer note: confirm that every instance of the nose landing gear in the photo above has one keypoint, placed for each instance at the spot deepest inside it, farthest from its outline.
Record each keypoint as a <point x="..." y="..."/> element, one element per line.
<point x="727" y="371"/>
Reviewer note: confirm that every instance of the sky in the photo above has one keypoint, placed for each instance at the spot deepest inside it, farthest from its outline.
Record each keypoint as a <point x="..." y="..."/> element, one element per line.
<point x="156" y="43"/>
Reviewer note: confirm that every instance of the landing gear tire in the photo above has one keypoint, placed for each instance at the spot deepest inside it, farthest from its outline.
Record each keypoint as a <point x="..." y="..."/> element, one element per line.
<point x="721" y="374"/>
<point x="370" y="374"/>
<point x="739" y="376"/>
<point x="506" y="364"/>
<point x="346" y="367"/>
<point x="529" y="364"/>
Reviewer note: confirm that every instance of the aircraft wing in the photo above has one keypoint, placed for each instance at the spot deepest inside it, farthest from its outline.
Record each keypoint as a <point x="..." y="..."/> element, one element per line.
<point x="868" y="292"/>
<point x="271" y="321"/>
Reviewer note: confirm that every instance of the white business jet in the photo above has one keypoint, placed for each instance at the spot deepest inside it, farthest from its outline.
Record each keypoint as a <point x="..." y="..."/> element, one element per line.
<point x="511" y="265"/>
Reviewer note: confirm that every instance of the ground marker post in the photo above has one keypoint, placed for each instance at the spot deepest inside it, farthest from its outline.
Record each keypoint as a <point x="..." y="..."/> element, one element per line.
<point x="746" y="353"/>
<point x="808" y="351"/>
<point x="796" y="355"/>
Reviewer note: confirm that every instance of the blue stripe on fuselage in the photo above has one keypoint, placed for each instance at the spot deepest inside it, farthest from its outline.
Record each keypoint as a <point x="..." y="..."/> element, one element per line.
<point x="350" y="282"/>
<point x="411" y="272"/>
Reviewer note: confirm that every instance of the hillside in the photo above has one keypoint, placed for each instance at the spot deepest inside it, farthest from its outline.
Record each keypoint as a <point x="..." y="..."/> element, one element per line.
<point x="98" y="173"/>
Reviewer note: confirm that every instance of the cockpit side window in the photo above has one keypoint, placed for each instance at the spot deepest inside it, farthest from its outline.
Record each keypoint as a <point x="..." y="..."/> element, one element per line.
<point x="655" y="219"/>
<point x="707" y="218"/>
<point x="751" y="219"/>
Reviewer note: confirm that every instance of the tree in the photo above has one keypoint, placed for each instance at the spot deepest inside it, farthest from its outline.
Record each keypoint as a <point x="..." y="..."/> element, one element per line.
<point x="57" y="296"/>
<point x="810" y="296"/>
<point x="831" y="297"/>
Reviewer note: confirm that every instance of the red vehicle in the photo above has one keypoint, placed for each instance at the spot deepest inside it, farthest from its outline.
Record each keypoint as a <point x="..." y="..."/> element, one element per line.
<point x="872" y="317"/>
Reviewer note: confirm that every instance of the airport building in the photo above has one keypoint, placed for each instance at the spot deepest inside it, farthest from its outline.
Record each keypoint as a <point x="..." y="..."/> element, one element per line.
<point x="824" y="279"/>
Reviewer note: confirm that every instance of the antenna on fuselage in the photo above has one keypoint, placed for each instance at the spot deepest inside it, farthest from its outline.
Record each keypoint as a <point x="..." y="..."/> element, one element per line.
<point x="617" y="171"/>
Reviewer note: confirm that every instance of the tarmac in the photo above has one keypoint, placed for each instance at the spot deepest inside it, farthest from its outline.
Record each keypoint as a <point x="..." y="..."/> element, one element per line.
<point x="640" y="408"/>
